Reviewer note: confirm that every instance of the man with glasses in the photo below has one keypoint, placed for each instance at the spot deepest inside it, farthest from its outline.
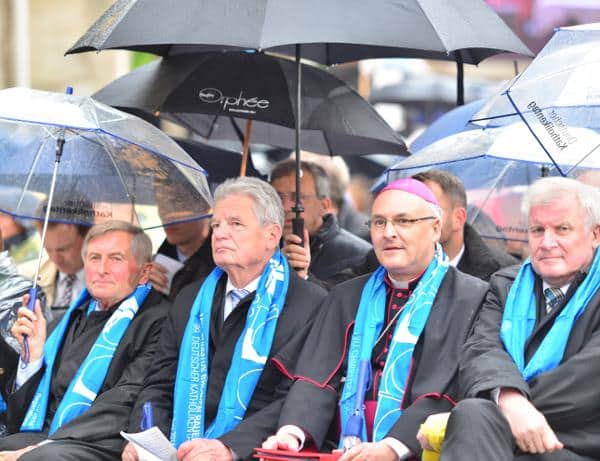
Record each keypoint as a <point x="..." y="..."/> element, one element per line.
<point x="385" y="347"/>
<point x="327" y="248"/>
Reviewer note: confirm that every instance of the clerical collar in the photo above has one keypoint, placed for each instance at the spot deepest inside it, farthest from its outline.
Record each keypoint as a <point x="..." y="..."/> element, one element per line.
<point x="401" y="285"/>
<point x="454" y="261"/>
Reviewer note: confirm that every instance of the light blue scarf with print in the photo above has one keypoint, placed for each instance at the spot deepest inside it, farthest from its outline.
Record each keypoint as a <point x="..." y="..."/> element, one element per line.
<point x="368" y="326"/>
<point x="519" y="317"/>
<point x="86" y="383"/>
<point x="249" y="357"/>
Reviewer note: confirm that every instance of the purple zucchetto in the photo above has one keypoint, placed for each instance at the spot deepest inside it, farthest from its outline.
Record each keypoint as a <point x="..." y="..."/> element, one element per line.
<point x="414" y="187"/>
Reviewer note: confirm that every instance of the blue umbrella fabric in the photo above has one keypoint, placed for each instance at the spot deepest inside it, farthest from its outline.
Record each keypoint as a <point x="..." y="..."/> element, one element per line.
<point x="113" y="165"/>
<point x="557" y="98"/>
<point x="452" y="122"/>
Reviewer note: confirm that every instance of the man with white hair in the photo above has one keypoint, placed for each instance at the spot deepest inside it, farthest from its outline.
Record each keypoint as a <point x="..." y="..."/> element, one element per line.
<point x="532" y="364"/>
<point x="385" y="347"/>
<point x="213" y="384"/>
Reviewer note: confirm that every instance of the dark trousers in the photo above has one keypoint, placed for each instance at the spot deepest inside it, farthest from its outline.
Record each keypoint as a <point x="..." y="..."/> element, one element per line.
<point x="478" y="431"/>
<point x="59" y="450"/>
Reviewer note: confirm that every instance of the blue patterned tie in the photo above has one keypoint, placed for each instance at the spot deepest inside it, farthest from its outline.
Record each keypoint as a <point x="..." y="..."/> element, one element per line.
<point x="554" y="297"/>
<point x="236" y="295"/>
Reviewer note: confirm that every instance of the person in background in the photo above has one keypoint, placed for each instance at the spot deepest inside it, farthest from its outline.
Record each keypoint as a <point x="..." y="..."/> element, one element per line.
<point x="187" y="242"/>
<point x="327" y="249"/>
<point x="465" y="248"/>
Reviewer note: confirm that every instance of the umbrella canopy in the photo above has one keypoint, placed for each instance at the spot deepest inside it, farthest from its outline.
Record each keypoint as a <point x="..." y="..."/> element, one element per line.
<point x="330" y="32"/>
<point x="219" y="163"/>
<point x="98" y="162"/>
<point x="496" y="165"/>
<point x="557" y="98"/>
<point x="198" y="90"/>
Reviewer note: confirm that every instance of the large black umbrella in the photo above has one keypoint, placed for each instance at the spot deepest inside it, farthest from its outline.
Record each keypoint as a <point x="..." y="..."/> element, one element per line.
<point x="209" y="93"/>
<point x="329" y="32"/>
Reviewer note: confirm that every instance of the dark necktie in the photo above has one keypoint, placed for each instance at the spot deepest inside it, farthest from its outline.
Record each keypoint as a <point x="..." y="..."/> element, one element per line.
<point x="67" y="293"/>
<point x="554" y="297"/>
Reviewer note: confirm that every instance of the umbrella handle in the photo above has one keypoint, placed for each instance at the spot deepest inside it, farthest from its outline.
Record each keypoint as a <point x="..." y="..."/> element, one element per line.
<point x="33" y="292"/>
<point x="298" y="229"/>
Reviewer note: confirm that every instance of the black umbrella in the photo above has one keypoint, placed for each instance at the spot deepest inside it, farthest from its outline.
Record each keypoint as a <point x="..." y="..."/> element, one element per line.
<point x="209" y="93"/>
<point x="329" y="32"/>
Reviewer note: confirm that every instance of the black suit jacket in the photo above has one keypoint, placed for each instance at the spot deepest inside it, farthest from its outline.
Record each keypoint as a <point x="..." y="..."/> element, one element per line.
<point x="302" y="302"/>
<point x="481" y="260"/>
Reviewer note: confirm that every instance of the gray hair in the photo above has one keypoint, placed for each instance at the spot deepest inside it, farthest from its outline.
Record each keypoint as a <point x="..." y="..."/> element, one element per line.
<point x="141" y="245"/>
<point x="318" y="173"/>
<point x="267" y="205"/>
<point x="550" y="189"/>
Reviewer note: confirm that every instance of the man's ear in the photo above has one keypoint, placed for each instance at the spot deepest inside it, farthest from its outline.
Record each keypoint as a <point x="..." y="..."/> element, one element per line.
<point x="145" y="274"/>
<point x="273" y="234"/>
<point x="459" y="215"/>
<point x="596" y="233"/>
<point x="326" y="206"/>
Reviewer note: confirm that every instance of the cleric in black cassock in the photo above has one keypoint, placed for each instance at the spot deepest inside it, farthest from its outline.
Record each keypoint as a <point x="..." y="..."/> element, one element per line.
<point x="116" y="257"/>
<point x="246" y="228"/>
<point x="413" y="357"/>
<point x="534" y="386"/>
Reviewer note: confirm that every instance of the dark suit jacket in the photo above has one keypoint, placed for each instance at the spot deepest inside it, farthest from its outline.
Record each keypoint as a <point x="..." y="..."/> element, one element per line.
<point x="481" y="260"/>
<point x="302" y="302"/>
<point x="568" y="395"/>
<point x="110" y="412"/>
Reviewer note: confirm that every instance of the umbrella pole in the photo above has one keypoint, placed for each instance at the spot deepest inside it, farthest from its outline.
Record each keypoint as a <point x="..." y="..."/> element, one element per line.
<point x="246" y="147"/>
<point x="460" y="80"/>
<point x="298" y="221"/>
<point x="33" y="291"/>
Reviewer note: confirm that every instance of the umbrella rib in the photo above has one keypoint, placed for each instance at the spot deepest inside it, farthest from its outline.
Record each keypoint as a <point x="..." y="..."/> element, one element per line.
<point x="533" y="134"/>
<point x="119" y="175"/>
<point x="31" y="170"/>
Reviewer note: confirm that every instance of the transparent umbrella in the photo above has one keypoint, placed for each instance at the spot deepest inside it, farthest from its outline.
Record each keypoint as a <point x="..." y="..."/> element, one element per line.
<point x="88" y="162"/>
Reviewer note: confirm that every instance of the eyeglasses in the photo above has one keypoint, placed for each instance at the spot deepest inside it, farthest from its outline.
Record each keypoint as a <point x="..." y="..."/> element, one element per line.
<point x="379" y="224"/>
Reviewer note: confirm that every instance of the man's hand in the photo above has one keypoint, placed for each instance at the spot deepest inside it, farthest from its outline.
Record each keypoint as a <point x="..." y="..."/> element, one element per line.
<point x="32" y="324"/>
<point x="129" y="453"/>
<point x="158" y="277"/>
<point x="297" y="255"/>
<point x="282" y="441"/>
<point x="205" y="449"/>
<point x="528" y="426"/>
<point x="16" y="454"/>
<point x="372" y="451"/>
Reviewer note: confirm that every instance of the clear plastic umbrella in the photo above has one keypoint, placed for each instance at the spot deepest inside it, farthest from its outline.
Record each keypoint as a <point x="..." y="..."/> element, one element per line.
<point x="88" y="162"/>
<point x="555" y="97"/>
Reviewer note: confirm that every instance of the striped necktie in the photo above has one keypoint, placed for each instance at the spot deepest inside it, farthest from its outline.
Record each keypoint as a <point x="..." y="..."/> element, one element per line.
<point x="67" y="282"/>
<point x="236" y="295"/>
<point x="554" y="297"/>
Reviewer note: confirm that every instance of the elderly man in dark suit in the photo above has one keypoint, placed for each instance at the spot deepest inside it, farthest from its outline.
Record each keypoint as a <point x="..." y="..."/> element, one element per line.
<point x="74" y="389"/>
<point x="212" y="384"/>
<point x="531" y="366"/>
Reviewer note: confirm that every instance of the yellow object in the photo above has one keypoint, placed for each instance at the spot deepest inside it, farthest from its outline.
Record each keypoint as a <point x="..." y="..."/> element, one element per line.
<point x="434" y="428"/>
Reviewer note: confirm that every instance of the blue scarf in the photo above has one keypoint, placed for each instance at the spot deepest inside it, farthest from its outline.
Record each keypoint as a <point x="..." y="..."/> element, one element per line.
<point x="519" y="317"/>
<point x="86" y="383"/>
<point x="367" y="327"/>
<point x="249" y="357"/>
